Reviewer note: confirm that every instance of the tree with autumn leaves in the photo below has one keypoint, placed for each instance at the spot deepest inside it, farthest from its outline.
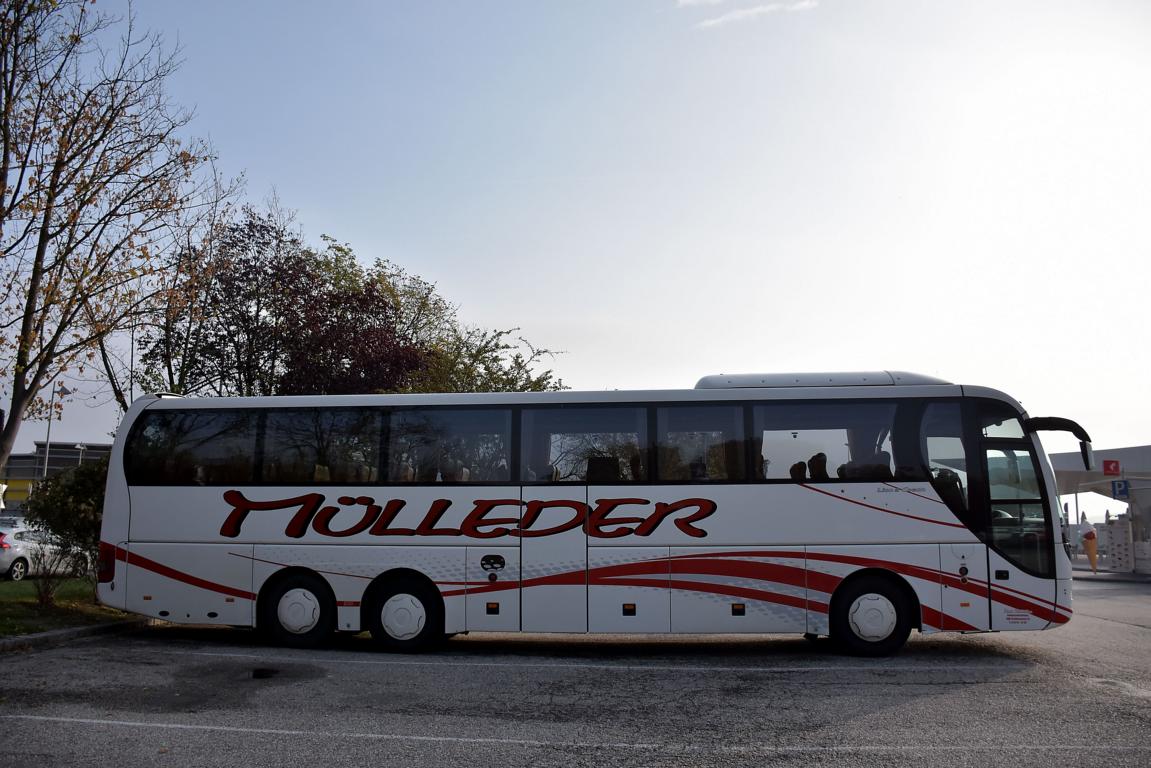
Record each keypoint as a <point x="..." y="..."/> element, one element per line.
<point x="258" y="312"/>
<point x="92" y="164"/>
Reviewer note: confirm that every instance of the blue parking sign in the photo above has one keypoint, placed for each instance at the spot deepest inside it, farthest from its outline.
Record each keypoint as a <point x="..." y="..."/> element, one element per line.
<point x="1120" y="489"/>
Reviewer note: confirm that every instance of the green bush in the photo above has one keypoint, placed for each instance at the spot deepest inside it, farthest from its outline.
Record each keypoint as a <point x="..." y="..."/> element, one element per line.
<point x="69" y="507"/>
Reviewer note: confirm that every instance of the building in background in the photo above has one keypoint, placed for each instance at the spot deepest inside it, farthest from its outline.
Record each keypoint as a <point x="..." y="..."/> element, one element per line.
<point x="1124" y="474"/>
<point x="48" y="459"/>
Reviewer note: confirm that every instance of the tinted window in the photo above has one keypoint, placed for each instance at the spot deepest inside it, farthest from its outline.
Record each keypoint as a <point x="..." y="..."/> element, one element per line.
<point x="449" y="446"/>
<point x="999" y="420"/>
<point x="699" y="443"/>
<point x="317" y="445"/>
<point x="1011" y="474"/>
<point x="1019" y="526"/>
<point x="199" y="447"/>
<point x="581" y="444"/>
<point x="823" y="441"/>
<point x="941" y="437"/>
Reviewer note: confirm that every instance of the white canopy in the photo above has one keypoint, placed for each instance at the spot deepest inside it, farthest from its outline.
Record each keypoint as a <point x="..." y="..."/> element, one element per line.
<point x="1134" y="465"/>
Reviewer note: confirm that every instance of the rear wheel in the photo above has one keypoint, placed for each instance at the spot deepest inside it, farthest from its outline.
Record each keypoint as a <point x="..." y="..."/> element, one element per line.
<point x="18" y="570"/>
<point x="407" y="614"/>
<point x="298" y="611"/>
<point x="871" y="617"/>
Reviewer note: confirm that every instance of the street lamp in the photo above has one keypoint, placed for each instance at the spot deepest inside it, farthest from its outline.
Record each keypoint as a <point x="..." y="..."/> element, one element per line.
<point x="63" y="391"/>
<point x="81" y="448"/>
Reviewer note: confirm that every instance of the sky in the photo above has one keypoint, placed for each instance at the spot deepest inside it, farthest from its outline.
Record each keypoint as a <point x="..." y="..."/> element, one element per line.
<point x="665" y="189"/>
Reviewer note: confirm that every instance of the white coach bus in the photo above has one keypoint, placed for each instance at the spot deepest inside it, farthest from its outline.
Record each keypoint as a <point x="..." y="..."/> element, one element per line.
<point x="855" y="505"/>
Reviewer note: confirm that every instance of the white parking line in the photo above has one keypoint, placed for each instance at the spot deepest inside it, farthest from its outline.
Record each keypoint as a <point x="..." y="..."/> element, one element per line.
<point x="749" y="749"/>
<point x="448" y="661"/>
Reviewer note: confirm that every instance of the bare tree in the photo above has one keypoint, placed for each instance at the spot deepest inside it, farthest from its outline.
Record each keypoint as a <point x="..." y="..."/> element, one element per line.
<point x="92" y="166"/>
<point x="179" y="304"/>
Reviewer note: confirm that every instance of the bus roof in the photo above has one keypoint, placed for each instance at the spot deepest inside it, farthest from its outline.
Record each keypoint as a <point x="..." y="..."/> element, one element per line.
<point x="827" y="386"/>
<point x="848" y="379"/>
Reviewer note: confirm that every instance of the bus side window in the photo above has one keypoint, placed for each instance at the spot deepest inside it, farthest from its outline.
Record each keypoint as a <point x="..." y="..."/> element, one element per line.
<point x="944" y="450"/>
<point x="321" y="445"/>
<point x="192" y="447"/>
<point x="582" y="444"/>
<point x="700" y="443"/>
<point x="800" y="441"/>
<point x="449" y="445"/>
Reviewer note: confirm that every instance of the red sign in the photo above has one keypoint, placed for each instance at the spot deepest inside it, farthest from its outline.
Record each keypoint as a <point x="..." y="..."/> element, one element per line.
<point x="1110" y="467"/>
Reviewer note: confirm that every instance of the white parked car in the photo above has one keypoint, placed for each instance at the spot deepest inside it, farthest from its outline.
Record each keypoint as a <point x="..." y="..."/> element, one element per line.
<point x="23" y="552"/>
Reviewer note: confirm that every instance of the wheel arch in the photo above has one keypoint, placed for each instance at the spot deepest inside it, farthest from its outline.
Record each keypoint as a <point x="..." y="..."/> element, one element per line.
<point x="891" y="577"/>
<point x="286" y="574"/>
<point x="387" y="577"/>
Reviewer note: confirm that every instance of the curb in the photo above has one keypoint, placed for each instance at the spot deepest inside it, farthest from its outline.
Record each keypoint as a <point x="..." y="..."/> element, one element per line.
<point x="55" y="637"/>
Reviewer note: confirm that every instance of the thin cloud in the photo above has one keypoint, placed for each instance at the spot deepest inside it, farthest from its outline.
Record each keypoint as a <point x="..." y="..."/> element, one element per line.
<point x="747" y="14"/>
<point x="692" y="3"/>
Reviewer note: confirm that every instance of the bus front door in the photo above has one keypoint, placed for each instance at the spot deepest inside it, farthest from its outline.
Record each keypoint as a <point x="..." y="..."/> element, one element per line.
<point x="553" y="559"/>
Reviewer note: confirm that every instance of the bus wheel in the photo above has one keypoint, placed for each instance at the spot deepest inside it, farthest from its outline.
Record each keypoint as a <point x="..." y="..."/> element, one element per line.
<point x="298" y="611"/>
<point x="870" y="617"/>
<point x="407" y="614"/>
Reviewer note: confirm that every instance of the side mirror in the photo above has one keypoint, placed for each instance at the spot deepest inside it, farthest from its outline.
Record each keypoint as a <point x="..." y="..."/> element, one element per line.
<point x="1088" y="455"/>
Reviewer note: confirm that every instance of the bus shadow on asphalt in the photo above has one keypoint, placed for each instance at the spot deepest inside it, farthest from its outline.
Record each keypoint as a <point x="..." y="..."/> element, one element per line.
<point x="573" y="648"/>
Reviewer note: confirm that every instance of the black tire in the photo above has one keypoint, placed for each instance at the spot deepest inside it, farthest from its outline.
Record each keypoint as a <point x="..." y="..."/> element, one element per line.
<point x="18" y="571"/>
<point x="416" y="617"/>
<point x="871" y="616"/>
<point x="298" y="611"/>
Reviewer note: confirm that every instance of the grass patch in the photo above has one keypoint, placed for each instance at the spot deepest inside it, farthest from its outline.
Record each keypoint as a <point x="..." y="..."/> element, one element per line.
<point x="76" y="606"/>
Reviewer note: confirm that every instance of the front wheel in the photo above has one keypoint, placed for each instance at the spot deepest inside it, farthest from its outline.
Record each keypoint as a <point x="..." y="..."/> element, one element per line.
<point x="406" y="615"/>
<point x="299" y="611"/>
<point x="18" y="570"/>
<point x="871" y="617"/>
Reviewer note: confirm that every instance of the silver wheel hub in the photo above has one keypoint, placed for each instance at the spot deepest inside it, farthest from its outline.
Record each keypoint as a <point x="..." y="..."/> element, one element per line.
<point x="403" y="616"/>
<point x="298" y="611"/>
<point x="872" y="617"/>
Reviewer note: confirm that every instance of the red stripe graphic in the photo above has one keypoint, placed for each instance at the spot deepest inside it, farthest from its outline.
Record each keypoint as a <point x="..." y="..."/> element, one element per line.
<point x="881" y="509"/>
<point x="940" y="620"/>
<point x="701" y="564"/>
<point x="743" y="569"/>
<point x="140" y="561"/>
<point x="1039" y="612"/>
<point x="977" y="588"/>
<point x="1025" y="601"/>
<point x="1033" y="597"/>
<point x="720" y="589"/>
<point x="720" y="564"/>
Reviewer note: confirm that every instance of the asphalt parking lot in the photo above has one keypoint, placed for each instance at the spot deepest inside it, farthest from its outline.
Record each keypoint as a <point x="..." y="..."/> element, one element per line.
<point x="176" y="696"/>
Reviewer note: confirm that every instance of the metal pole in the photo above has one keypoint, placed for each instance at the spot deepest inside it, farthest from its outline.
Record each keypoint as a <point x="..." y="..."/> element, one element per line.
<point x="48" y="437"/>
<point x="57" y="389"/>
<point x="132" y="364"/>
